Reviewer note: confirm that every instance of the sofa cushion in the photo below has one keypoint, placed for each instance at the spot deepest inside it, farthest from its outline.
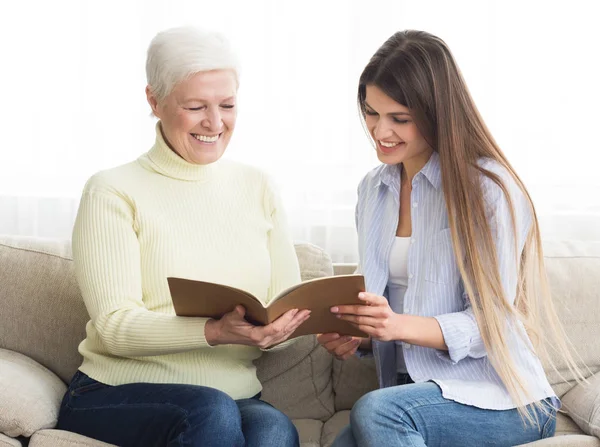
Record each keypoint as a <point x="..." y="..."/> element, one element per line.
<point x="5" y="441"/>
<point x="30" y="395"/>
<point x="314" y="262"/>
<point x="566" y="426"/>
<point x="309" y="431"/>
<point x="582" y="403"/>
<point x="351" y="379"/>
<point x="567" y="433"/>
<point x="61" y="438"/>
<point x="333" y="426"/>
<point x="297" y="380"/>
<point x="43" y="315"/>
<point x="565" y="441"/>
<point x="572" y="269"/>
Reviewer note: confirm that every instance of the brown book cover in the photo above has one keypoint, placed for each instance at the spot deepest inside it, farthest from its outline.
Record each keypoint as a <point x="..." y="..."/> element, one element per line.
<point x="204" y="299"/>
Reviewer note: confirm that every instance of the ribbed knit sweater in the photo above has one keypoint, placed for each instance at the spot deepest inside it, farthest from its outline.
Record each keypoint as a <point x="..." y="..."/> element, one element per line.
<point x="161" y="216"/>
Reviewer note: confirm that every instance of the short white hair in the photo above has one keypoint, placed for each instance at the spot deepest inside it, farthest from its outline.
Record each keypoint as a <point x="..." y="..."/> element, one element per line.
<point x="176" y="54"/>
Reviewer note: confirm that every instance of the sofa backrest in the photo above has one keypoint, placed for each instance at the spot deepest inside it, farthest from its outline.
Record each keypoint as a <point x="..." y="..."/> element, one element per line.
<point x="43" y="316"/>
<point x="573" y="269"/>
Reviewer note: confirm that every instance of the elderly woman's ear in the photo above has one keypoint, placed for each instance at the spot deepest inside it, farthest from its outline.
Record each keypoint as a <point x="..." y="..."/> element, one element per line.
<point x="152" y="101"/>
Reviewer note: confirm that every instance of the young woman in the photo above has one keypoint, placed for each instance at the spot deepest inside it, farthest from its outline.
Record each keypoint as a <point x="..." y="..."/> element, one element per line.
<point x="450" y="249"/>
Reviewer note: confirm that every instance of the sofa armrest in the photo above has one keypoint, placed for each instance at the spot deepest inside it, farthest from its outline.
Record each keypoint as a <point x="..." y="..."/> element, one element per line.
<point x="582" y="403"/>
<point x="5" y="441"/>
<point x="30" y="395"/>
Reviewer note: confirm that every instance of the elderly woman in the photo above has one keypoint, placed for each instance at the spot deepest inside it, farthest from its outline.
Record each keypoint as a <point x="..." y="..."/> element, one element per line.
<point x="149" y="377"/>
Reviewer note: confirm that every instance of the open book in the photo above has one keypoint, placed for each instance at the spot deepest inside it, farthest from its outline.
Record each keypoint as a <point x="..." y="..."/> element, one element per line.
<point x="204" y="299"/>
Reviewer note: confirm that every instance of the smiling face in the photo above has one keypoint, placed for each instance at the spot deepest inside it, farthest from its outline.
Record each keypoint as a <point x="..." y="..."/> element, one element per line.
<point x="392" y="128"/>
<point x="198" y="116"/>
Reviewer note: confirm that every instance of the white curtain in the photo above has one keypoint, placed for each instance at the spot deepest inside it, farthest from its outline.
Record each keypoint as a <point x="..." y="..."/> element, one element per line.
<point x="73" y="99"/>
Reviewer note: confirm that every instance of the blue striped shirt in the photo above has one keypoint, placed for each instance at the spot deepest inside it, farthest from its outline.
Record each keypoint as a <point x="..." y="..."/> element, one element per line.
<point x="435" y="288"/>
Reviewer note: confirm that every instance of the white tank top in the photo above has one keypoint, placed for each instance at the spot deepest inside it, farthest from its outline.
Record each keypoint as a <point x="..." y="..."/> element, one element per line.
<point x="397" y="284"/>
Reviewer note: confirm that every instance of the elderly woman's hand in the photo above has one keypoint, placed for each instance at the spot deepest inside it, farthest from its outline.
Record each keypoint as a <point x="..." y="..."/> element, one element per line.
<point x="233" y="329"/>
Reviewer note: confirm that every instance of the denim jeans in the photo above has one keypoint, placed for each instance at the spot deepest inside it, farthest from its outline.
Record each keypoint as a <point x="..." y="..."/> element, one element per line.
<point x="173" y="415"/>
<point x="417" y="415"/>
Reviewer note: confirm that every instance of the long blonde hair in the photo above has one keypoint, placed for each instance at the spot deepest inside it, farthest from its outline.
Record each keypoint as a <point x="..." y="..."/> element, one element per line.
<point x="417" y="70"/>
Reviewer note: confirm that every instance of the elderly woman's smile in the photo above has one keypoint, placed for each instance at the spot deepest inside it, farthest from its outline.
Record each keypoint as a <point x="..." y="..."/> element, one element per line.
<point x="206" y="138"/>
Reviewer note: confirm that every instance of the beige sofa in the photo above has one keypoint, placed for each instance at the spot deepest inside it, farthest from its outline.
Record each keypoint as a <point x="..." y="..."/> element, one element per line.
<point x="42" y="321"/>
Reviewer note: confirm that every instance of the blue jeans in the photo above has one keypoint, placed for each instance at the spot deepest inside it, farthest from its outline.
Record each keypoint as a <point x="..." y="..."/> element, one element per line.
<point x="417" y="415"/>
<point x="173" y="415"/>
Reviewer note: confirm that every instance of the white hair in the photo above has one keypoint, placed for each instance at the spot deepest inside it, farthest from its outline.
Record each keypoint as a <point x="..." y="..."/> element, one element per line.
<point x="176" y="54"/>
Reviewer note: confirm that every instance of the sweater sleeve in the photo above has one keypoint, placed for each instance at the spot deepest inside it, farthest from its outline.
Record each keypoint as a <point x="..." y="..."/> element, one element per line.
<point x="107" y="257"/>
<point x="460" y="330"/>
<point x="285" y="271"/>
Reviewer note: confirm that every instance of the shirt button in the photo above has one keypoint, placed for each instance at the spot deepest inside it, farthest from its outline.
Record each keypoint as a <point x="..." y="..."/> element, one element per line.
<point x="406" y="346"/>
<point x="415" y="204"/>
<point x="410" y="276"/>
<point x="407" y="310"/>
<point x="413" y="240"/>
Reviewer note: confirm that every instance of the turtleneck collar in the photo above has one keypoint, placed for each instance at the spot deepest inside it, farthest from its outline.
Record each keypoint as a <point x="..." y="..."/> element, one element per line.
<point x="167" y="162"/>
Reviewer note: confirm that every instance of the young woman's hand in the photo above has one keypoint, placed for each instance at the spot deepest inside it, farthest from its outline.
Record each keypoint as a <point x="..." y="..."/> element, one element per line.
<point x="342" y="347"/>
<point x="233" y="329"/>
<point x="376" y="318"/>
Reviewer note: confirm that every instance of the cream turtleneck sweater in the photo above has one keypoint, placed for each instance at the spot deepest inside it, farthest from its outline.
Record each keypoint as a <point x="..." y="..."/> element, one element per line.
<point x="161" y="216"/>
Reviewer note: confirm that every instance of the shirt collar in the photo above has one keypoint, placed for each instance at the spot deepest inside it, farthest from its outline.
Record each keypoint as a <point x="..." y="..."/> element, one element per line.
<point x="433" y="171"/>
<point x="389" y="175"/>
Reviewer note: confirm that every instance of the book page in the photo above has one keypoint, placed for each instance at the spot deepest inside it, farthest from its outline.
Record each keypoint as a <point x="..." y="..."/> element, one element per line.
<point x="319" y="295"/>
<point x="204" y="299"/>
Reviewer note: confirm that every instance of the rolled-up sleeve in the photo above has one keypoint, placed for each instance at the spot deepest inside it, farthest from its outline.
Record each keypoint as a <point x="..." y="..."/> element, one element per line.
<point x="461" y="334"/>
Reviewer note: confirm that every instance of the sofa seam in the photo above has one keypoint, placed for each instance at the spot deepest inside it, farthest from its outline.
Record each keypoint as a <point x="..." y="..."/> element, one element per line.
<point x="49" y="436"/>
<point x="31" y="250"/>
<point x="335" y="383"/>
<point x="341" y="371"/>
<point x="593" y="417"/>
<point x="317" y="394"/>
